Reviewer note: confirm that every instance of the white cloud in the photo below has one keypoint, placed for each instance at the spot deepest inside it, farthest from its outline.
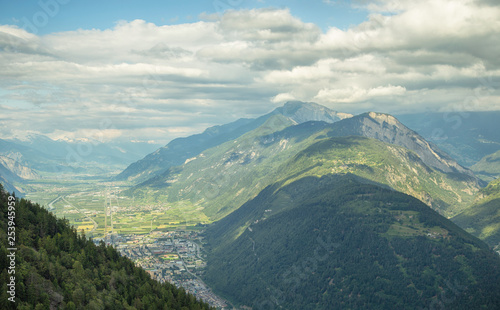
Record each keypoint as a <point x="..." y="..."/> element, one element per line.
<point x="356" y="94"/>
<point x="159" y="82"/>
<point x="283" y="97"/>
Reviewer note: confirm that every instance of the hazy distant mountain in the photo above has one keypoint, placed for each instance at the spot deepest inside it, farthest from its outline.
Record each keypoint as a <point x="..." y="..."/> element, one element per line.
<point x="301" y="112"/>
<point x="342" y="242"/>
<point x="12" y="173"/>
<point x="43" y="144"/>
<point x="179" y="150"/>
<point x="466" y="136"/>
<point x="23" y="154"/>
<point x="221" y="179"/>
<point x="7" y="183"/>
<point x="91" y="150"/>
<point x="18" y="171"/>
<point x="43" y="154"/>
<point x="35" y="159"/>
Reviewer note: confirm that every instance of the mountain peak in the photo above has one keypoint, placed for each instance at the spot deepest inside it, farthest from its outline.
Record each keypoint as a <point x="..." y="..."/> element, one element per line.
<point x="293" y="106"/>
<point x="180" y="149"/>
<point x="383" y="117"/>
<point x="301" y="112"/>
<point x="387" y="128"/>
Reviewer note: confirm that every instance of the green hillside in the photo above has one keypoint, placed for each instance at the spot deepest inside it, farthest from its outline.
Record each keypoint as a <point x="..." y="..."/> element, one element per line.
<point x="55" y="268"/>
<point x="482" y="219"/>
<point x="177" y="151"/>
<point x="221" y="179"/>
<point x="384" y="163"/>
<point x="488" y="167"/>
<point x="342" y="242"/>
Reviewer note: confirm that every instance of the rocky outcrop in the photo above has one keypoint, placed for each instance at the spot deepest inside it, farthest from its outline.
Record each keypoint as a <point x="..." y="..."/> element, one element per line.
<point x="17" y="170"/>
<point x="387" y="128"/>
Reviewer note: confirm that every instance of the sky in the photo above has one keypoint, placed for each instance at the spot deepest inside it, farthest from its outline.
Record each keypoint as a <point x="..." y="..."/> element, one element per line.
<point x="156" y="70"/>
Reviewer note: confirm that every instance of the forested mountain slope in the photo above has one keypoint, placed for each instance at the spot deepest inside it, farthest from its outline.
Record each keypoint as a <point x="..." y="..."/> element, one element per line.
<point x="343" y="242"/>
<point x="57" y="268"/>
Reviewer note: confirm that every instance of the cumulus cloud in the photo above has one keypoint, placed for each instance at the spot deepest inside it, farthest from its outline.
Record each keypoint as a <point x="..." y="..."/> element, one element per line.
<point x="356" y="94"/>
<point x="153" y="82"/>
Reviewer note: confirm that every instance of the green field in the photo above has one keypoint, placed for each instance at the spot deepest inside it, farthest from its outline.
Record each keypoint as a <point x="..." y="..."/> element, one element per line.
<point x="82" y="203"/>
<point x="170" y="257"/>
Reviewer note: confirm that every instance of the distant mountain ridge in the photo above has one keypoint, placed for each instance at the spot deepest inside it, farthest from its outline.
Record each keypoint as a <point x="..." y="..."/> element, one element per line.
<point x="46" y="156"/>
<point x="18" y="170"/>
<point x="181" y="149"/>
<point x="301" y="112"/>
<point x="222" y="178"/>
<point x="467" y="136"/>
<point x="95" y="150"/>
<point x="12" y="173"/>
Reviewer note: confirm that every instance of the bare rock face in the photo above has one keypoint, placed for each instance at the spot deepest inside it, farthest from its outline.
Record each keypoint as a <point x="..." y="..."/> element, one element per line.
<point x="17" y="170"/>
<point x="387" y="128"/>
<point x="12" y="172"/>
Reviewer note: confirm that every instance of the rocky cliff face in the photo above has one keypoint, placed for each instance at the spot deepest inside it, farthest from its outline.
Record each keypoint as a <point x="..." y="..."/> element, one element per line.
<point x="387" y="128"/>
<point x="18" y="171"/>
<point x="12" y="172"/>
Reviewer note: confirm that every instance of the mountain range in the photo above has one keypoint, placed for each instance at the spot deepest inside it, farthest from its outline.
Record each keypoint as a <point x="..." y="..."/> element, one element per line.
<point x="220" y="179"/>
<point x="37" y="156"/>
<point x="305" y="208"/>
<point x="12" y="172"/>
<point x="277" y="192"/>
<point x="48" y="155"/>
<point x="181" y="149"/>
<point x="488" y="167"/>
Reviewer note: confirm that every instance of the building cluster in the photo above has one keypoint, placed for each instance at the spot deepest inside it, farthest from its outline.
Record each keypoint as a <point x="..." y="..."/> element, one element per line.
<point x="175" y="257"/>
